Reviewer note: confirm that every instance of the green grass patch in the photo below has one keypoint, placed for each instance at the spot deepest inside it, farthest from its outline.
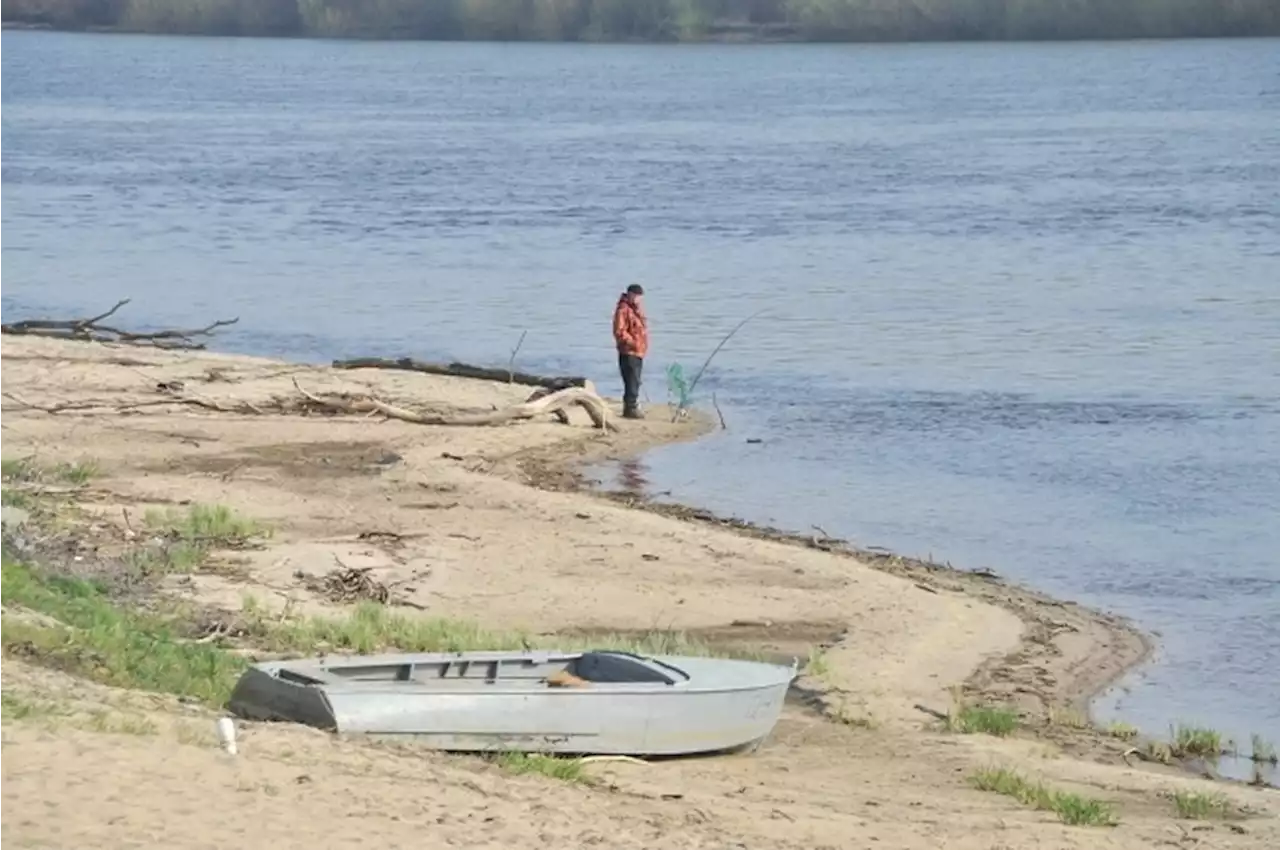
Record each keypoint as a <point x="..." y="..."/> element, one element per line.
<point x="372" y="627"/>
<point x="107" y="644"/>
<point x="655" y="642"/>
<point x="16" y="706"/>
<point x="28" y="471"/>
<point x="186" y="537"/>
<point x="25" y="477"/>
<point x="79" y="472"/>
<point x="206" y="525"/>
<point x="552" y="767"/>
<point x="165" y="557"/>
<point x="1000" y="721"/>
<point x="18" y="470"/>
<point x="1185" y="741"/>
<point x="12" y="498"/>
<point x="104" y="642"/>
<point x="1071" y="809"/>
<point x="1193" y="805"/>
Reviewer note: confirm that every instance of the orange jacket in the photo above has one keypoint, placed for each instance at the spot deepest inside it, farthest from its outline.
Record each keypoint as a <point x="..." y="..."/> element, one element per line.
<point x="630" y="328"/>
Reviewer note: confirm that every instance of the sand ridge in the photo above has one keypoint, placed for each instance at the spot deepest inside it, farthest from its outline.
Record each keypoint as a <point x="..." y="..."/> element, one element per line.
<point x="486" y="546"/>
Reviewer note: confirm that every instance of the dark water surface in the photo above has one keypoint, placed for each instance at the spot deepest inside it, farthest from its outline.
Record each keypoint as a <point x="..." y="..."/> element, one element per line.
<point x="1022" y="302"/>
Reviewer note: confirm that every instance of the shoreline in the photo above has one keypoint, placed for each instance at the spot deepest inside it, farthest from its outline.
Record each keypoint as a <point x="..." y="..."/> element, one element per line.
<point x="762" y="35"/>
<point x="1116" y="644"/>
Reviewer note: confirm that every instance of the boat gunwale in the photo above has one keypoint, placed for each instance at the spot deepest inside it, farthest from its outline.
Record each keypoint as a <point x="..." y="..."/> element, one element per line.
<point x="314" y="673"/>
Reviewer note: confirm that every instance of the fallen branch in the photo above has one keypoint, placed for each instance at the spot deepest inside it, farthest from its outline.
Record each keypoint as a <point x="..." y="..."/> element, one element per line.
<point x="91" y="329"/>
<point x="463" y="370"/>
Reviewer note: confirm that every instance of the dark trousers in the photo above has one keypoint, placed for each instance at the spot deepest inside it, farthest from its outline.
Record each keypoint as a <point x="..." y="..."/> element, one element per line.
<point x="630" y="366"/>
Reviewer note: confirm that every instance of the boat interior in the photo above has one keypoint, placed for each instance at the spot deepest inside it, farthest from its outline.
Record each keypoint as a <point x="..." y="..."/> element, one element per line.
<point x="567" y="670"/>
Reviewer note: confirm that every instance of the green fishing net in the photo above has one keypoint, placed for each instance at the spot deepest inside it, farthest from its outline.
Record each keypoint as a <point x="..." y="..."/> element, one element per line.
<point x="677" y="386"/>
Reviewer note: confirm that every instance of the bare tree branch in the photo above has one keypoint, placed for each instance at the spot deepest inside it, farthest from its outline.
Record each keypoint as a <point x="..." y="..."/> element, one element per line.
<point x="92" y="330"/>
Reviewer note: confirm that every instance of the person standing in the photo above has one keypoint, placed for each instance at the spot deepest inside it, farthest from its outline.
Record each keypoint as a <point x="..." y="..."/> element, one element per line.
<point x="631" y="333"/>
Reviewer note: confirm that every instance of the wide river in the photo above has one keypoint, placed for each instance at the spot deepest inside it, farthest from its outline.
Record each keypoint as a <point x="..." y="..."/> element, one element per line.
<point x="1021" y="303"/>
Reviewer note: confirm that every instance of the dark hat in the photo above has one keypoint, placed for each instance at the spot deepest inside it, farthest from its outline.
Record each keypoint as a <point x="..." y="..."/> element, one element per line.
<point x="635" y="289"/>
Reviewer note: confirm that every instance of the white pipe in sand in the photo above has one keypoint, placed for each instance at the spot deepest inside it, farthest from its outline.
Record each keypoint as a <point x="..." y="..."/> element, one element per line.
<point x="227" y="734"/>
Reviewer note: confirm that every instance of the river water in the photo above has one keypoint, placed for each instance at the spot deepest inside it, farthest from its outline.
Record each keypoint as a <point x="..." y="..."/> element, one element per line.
<point x="1021" y="303"/>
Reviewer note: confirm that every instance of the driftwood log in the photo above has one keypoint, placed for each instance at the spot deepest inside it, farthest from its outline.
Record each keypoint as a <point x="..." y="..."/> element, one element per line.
<point x="537" y="405"/>
<point x="462" y="370"/>
<point x="91" y="329"/>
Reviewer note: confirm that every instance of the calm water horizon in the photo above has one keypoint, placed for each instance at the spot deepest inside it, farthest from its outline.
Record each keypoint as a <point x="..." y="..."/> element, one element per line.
<point x="1020" y="302"/>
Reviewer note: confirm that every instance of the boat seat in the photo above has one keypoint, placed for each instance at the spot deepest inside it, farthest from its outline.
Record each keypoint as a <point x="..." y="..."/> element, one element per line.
<point x="608" y="667"/>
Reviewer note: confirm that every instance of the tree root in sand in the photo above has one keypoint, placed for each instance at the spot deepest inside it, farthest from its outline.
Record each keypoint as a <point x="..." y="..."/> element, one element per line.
<point x="91" y="329"/>
<point x="541" y="402"/>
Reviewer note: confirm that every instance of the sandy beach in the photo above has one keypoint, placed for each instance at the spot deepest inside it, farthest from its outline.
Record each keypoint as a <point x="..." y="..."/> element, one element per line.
<point x="493" y="525"/>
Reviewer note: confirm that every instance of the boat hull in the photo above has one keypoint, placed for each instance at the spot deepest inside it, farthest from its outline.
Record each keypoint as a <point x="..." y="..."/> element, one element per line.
<point x="717" y="705"/>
